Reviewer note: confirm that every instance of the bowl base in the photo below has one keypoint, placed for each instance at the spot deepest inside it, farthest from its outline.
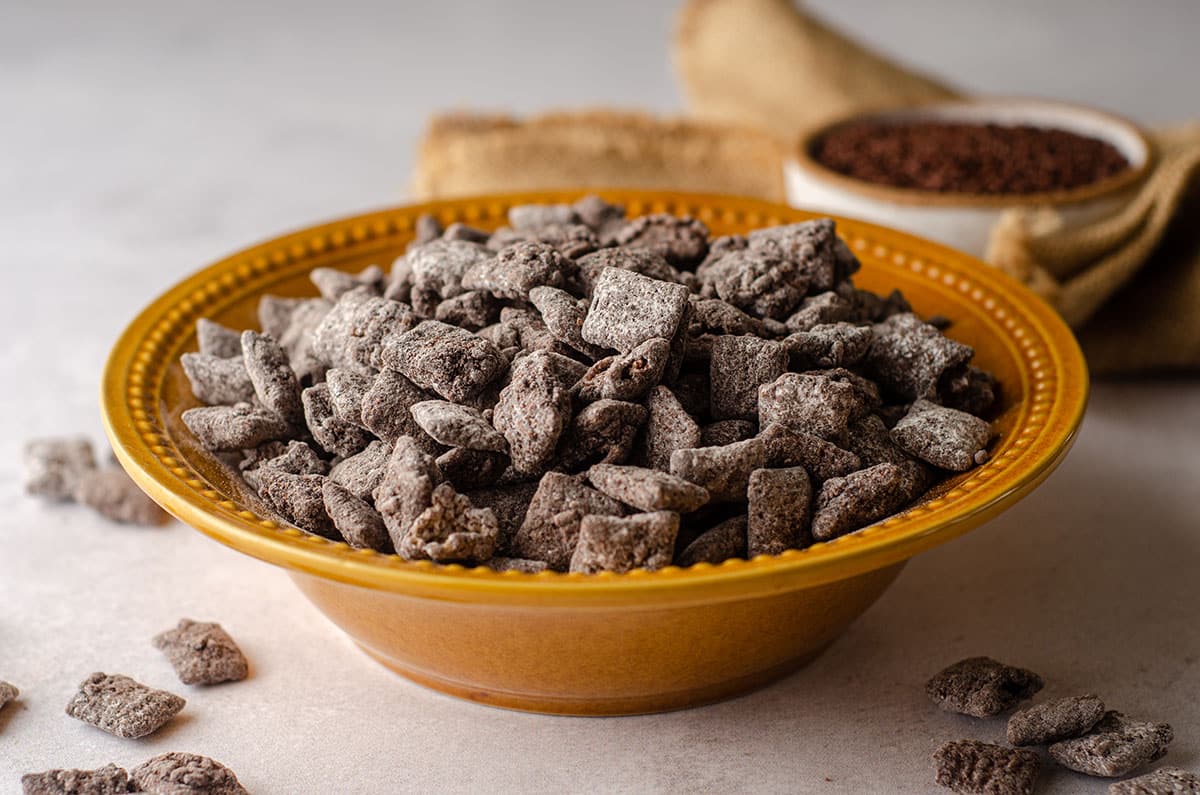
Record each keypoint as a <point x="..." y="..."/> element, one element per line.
<point x="600" y="707"/>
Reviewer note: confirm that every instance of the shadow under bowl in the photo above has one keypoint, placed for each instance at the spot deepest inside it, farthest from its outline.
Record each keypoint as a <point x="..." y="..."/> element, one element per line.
<point x="602" y="644"/>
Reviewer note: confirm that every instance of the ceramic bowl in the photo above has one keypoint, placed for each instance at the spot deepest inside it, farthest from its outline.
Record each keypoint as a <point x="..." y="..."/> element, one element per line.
<point x="964" y="221"/>
<point x="603" y="644"/>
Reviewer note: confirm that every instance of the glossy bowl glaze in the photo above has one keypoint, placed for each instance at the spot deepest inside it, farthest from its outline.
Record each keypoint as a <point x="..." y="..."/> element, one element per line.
<point x="603" y="644"/>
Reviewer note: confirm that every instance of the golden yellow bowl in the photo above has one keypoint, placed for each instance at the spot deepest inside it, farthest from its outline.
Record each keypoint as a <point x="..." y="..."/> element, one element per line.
<point x="602" y="644"/>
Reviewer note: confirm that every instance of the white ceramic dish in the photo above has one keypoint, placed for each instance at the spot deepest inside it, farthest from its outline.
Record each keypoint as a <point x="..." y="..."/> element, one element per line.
<point x="964" y="221"/>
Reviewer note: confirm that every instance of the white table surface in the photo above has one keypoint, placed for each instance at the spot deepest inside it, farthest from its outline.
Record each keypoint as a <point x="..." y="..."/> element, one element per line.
<point x="140" y="140"/>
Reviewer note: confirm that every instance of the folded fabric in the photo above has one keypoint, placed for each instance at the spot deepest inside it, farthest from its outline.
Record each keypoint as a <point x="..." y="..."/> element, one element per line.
<point x="464" y="154"/>
<point x="1130" y="283"/>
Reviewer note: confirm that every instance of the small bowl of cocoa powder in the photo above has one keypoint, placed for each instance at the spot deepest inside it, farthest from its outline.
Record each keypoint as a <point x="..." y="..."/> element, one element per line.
<point x="947" y="171"/>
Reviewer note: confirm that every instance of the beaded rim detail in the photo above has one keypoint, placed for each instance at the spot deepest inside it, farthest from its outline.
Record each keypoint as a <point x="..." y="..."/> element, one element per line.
<point x="1053" y="386"/>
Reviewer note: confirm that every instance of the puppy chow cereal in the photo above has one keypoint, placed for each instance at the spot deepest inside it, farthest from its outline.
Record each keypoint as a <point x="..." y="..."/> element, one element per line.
<point x="579" y="390"/>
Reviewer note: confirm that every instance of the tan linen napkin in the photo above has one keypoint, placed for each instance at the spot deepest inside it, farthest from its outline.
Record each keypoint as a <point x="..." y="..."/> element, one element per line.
<point x="768" y="63"/>
<point x="465" y="153"/>
<point x="1130" y="284"/>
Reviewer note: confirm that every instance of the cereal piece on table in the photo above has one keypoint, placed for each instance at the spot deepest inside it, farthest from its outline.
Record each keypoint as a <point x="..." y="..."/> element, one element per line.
<point x="534" y="410"/>
<point x="563" y="315"/>
<point x="54" y="467"/>
<point x="123" y="707"/>
<point x="908" y="357"/>
<point x="602" y="432"/>
<point x="779" y="512"/>
<point x="819" y="310"/>
<point x="177" y="773"/>
<point x="213" y="339"/>
<point x="723" y="432"/>
<point x="739" y="366"/>
<point x="274" y="381"/>
<point x="622" y="544"/>
<point x="832" y="345"/>
<point x="347" y="389"/>
<point x="238" y="427"/>
<point x="217" y="382"/>
<point x="981" y="687"/>
<point x="406" y="488"/>
<point x="8" y="693"/>
<point x="813" y="247"/>
<point x="724" y="471"/>
<point x="668" y="428"/>
<point x="976" y="768"/>
<point x="683" y="242"/>
<point x="298" y="499"/>
<point x="359" y="525"/>
<point x="202" y="653"/>
<point x="849" y="503"/>
<point x="517" y="269"/>
<point x="1164" y="781"/>
<point x="333" y="283"/>
<point x="627" y="309"/>
<point x="509" y="502"/>
<point x="634" y="260"/>
<point x="810" y="403"/>
<point x="472" y="469"/>
<point x="111" y="493"/>
<point x="969" y="389"/>
<point x="448" y="360"/>
<point x="532" y="216"/>
<point x="787" y="447"/>
<point x="472" y="310"/>
<point x="440" y="265"/>
<point x="275" y="313"/>
<point x="725" y="540"/>
<point x="517" y="564"/>
<point x="647" y="489"/>
<point x="297" y="339"/>
<point x="626" y="376"/>
<point x="1051" y="721"/>
<point x="108" y="780"/>
<point x="457" y="426"/>
<point x="360" y="473"/>
<point x="1115" y="746"/>
<point x="334" y="435"/>
<point x="551" y="526"/>
<point x="386" y="407"/>
<point x="451" y="529"/>
<point x="946" y="438"/>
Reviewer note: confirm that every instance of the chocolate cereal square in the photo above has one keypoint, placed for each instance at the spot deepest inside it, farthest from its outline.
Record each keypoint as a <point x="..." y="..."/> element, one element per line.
<point x="724" y="471"/>
<point x="1117" y="745"/>
<point x="622" y="544"/>
<point x="779" y="512"/>
<point x="726" y="540"/>
<point x="54" y="467"/>
<point x="908" y="356"/>
<point x="550" y="528"/>
<point x="178" y="773"/>
<point x="108" y="780"/>
<point x="627" y="309"/>
<point x="123" y="707"/>
<point x="647" y="489"/>
<point x="202" y="653"/>
<point x="738" y="367"/>
<point x="669" y="427"/>
<point x="981" y="687"/>
<point x="1164" y="781"/>
<point x="446" y="359"/>
<point x="810" y="403"/>
<point x="946" y="438"/>
<point x="1051" y="721"/>
<point x="970" y="767"/>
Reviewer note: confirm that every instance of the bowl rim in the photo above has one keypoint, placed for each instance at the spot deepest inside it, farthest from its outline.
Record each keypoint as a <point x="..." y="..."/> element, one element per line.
<point x="1052" y="366"/>
<point x="1110" y="186"/>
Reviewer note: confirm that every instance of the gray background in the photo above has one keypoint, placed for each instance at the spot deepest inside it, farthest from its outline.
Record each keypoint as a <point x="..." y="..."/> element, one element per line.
<point x="139" y="141"/>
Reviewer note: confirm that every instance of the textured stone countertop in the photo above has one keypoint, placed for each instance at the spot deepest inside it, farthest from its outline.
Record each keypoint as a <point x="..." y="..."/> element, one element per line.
<point x="141" y="140"/>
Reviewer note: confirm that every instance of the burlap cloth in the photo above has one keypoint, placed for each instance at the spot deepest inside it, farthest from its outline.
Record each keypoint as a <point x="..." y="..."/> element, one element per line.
<point x="755" y="73"/>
